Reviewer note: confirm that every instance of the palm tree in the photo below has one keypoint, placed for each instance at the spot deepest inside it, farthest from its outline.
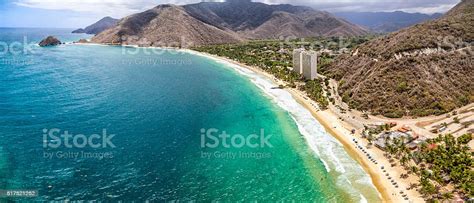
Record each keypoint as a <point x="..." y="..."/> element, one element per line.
<point x="446" y="196"/>
<point x="414" y="169"/>
<point x="370" y="138"/>
<point x="404" y="160"/>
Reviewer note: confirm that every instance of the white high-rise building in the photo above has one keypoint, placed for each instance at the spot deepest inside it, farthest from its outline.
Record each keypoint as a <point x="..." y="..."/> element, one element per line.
<point x="305" y="63"/>
<point x="298" y="61"/>
<point x="310" y="65"/>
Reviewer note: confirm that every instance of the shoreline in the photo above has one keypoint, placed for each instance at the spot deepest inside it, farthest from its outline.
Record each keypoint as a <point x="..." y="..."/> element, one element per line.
<point x="327" y="119"/>
<point x="375" y="176"/>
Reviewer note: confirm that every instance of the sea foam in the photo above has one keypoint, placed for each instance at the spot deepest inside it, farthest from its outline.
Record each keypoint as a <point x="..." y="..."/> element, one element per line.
<point x="326" y="148"/>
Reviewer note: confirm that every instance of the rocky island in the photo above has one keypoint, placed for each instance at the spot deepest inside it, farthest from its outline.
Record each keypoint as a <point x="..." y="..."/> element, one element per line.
<point x="49" y="41"/>
<point x="82" y="41"/>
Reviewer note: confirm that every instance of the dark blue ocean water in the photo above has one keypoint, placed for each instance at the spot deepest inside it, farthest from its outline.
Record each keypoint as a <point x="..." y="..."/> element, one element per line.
<point x="156" y="105"/>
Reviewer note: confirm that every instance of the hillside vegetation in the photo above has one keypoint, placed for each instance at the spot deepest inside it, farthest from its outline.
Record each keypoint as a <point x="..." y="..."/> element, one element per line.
<point x="423" y="70"/>
<point x="275" y="57"/>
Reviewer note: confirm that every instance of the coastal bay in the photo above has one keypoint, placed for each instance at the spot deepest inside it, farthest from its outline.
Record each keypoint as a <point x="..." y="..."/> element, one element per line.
<point x="156" y="110"/>
<point x="339" y="130"/>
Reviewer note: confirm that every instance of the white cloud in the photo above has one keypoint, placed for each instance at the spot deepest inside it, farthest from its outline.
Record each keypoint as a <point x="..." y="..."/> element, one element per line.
<point x="116" y="8"/>
<point x="433" y="9"/>
<point x="422" y="6"/>
<point x="121" y="8"/>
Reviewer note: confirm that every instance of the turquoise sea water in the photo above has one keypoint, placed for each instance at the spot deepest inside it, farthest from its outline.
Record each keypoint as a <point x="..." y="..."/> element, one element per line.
<point x="156" y="103"/>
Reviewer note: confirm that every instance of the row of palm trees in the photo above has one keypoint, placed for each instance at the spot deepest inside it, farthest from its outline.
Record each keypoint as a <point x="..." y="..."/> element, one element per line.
<point x="439" y="162"/>
<point x="274" y="58"/>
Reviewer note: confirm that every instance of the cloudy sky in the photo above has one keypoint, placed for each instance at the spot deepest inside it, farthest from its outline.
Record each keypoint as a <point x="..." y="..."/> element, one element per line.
<point x="79" y="13"/>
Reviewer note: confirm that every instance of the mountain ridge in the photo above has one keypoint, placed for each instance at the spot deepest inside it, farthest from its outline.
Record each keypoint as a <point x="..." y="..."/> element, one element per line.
<point x="158" y="27"/>
<point x="231" y="22"/>
<point x="98" y="26"/>
<point x="426" y="69"/>
<point x="385" y="22"/>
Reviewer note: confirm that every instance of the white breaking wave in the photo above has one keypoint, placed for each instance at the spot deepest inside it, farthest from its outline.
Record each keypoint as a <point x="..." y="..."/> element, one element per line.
<point x="350" y="175"/>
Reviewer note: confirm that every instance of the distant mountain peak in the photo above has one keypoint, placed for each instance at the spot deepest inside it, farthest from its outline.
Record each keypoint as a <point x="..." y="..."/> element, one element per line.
<point x="99" y="26"/>
<point x="238" y="1"/>
<point x="166" y="6"/>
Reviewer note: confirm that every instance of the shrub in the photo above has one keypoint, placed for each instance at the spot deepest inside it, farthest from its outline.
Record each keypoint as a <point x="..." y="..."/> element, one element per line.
<point x="397" y="113"/>
<point x="402" y="87"/>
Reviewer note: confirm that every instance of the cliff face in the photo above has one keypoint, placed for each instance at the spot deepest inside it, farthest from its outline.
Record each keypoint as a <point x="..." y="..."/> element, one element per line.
<point x="422" y="70"/>
<point x="227" y="22"/>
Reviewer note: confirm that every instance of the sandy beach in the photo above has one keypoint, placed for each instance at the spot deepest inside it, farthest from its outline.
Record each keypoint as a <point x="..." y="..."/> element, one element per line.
<point x="341" y="131"/>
